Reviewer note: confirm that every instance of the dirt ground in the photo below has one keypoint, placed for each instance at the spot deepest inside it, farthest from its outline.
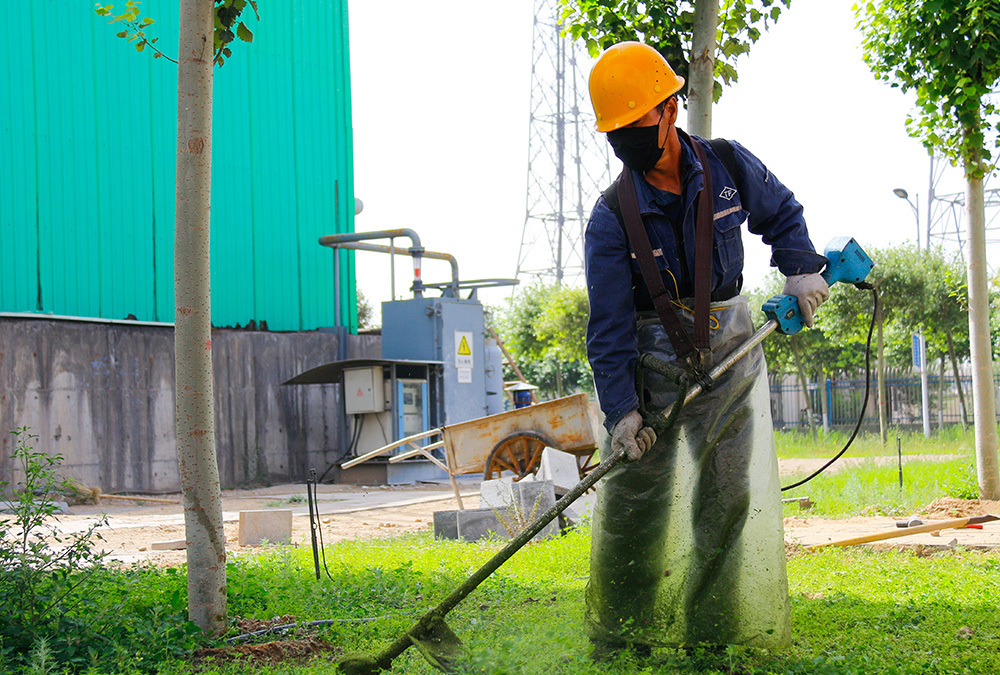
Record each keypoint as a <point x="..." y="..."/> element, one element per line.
<point x="356" y="512"/>
<point x="134" y="526"/>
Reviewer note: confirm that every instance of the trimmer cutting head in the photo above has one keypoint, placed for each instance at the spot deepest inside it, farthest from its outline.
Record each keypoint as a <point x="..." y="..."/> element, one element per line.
<point x="358" y="663"/>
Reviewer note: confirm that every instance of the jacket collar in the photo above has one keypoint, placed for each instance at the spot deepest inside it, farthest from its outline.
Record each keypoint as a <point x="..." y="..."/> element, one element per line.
<point x="690" y="168"/>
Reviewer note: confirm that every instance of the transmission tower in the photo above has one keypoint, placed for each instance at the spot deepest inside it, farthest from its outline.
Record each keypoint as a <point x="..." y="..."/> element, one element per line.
<point x="567" y="159"/>
<point x="946" y="222"/>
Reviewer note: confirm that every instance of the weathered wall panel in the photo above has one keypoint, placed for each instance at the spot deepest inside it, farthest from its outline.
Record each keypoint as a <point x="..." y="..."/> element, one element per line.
<point x="102" y="395"/>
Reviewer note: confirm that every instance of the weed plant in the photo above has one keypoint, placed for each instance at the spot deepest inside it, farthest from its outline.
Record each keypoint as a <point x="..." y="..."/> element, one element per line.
<point x="62" y="610"/>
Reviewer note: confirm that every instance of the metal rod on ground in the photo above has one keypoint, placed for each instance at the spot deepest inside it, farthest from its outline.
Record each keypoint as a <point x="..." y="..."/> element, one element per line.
<point x="892" y="534"/>
<point x="312" y="518"/>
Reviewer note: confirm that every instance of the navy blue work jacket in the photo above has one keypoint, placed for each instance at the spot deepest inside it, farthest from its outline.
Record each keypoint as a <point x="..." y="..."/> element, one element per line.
<point x="615" y="284"/>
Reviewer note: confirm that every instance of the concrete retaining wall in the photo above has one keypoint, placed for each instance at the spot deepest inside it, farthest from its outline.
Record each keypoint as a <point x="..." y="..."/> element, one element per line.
<point x="102" y="395"/>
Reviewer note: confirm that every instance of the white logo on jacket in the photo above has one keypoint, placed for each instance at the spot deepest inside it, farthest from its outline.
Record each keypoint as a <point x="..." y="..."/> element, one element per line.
<point x="727" y="193"/>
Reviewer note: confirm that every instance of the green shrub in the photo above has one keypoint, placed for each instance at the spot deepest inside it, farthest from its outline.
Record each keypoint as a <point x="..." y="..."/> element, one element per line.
<point x="61" y="608"/>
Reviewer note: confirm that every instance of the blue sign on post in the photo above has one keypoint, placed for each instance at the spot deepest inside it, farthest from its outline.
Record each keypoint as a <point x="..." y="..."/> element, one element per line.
<point x="918" y="353"/>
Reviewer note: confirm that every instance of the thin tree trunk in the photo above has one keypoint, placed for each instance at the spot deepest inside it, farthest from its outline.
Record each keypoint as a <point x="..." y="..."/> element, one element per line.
<point x="983" y="391"/>
<point x="882" y="402"/>
<point x="940" y="396"/>
<point x="802" y="383"/>
<point x="825" y="404"/>
<point x="195" y="410"/>
<point x="953" y="357"/>
<point x="701" y="72"/>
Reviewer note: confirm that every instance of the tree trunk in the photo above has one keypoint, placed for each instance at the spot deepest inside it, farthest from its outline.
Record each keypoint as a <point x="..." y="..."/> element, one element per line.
<point x="940" y="394"/>
<point x="983" y="392"/>
<point x="880" y="367"/>
<point x="195" y="410"/>
<point x="958" y="380"/>
<point x="701" y="72"/>
<point x="802" y="383"/>
<point x="825" y="405"/>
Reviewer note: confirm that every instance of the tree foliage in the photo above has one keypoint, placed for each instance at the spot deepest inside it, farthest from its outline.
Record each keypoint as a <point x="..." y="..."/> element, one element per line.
<point x="545" y="328"/>
<point x="668" y="25"/>
<point x="228" y="27"/>
<point x="921" y="291"/>
<point x="948" y="53"/>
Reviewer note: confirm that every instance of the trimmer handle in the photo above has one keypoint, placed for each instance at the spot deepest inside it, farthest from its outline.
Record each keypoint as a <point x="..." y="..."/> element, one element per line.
<point x="846" y="262"/>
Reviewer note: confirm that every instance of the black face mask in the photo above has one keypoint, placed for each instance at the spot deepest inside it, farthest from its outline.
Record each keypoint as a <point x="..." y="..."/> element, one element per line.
<point x="637" y="147"/>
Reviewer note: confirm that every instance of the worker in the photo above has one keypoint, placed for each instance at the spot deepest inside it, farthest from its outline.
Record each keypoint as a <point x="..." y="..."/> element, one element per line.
<point x="687" y="542"/>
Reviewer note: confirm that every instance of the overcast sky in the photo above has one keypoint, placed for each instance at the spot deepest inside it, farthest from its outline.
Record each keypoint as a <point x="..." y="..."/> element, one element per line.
<point x="441" y="99"/>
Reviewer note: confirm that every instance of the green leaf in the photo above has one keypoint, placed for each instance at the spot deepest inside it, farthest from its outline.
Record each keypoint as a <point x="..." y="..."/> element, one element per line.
<point x="139" y="46"/>
<point x="244" y="33"/>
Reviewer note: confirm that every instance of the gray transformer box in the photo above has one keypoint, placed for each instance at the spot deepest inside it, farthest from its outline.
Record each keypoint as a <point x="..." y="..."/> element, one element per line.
<point x="450" y="330"/>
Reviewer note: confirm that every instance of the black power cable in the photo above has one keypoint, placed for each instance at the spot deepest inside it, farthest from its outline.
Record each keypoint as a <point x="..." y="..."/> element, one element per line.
<point x="864" y="404"/>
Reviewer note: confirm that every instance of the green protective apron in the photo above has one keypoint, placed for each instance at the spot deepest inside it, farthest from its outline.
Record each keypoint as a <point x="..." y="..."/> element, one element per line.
<point x="687" y="542"/>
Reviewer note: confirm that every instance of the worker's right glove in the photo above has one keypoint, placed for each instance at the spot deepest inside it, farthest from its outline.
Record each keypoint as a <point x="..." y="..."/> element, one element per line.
<point x="630" y="434"/>
<point x="811" y="291"/>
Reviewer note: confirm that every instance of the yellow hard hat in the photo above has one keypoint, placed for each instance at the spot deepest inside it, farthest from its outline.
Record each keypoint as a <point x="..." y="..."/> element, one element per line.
<point x="628" y="80"/>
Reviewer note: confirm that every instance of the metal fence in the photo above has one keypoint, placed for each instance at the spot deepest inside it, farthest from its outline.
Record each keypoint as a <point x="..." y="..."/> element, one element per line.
<point x="836" y="402"/>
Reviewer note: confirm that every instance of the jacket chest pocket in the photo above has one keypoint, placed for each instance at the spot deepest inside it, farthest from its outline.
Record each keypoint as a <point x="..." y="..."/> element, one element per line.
<point x="728" y="238"/>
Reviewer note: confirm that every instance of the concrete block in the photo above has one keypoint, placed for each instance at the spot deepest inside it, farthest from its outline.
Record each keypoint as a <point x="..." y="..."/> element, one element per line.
<point x="446" y="524"/>
<point x="497" y="493"/>
<point x="272" y="525"/>
<point x="469" y="524"/>
<point x="170" y="545"/>
<point x="505" y="506"/>
<point x="560" y="468"/>
<point x="582" y="508"/>
<point x="535" y="498"/>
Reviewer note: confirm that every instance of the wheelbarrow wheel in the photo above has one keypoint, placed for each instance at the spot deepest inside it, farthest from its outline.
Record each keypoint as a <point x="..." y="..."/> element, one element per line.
<point x="520" y="454"/>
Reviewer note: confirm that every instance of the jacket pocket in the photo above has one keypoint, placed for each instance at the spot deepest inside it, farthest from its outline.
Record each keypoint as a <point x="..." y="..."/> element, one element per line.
<point x="729" y="239"/>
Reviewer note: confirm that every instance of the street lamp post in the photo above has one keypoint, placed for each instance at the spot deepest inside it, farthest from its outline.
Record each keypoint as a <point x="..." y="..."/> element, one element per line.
<point x="919" y="345"/>
<point x="903" y="194"/>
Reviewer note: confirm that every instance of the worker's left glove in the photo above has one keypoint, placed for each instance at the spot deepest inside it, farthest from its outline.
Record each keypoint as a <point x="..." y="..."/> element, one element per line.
<point x="811" y="291"/>
<point x="630" y="434"/>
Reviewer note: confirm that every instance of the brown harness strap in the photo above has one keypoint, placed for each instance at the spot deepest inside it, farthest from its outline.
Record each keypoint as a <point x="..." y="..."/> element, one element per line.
<point x="639" y="241"/>
<point x="704" y="240"/>
<point x="683" y="344"/>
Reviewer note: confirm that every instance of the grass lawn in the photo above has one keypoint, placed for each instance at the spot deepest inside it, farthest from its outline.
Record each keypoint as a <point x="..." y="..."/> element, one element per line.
<point x="952" y="440"/>
<point x="853" y="611"/>
<point x="872" y="488"/>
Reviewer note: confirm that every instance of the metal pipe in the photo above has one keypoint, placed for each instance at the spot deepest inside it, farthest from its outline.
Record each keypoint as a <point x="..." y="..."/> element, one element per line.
<point x="416" y="251"/>
<point x="435" y="255"/>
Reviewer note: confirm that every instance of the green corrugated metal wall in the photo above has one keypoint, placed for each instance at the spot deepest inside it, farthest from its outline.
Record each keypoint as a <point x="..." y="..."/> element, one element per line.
<point x="87" y="159"/>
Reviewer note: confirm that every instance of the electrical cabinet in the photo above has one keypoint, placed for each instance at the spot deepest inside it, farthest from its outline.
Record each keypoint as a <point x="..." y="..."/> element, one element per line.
<point x="363" y="390"/>
<point x="411" y="406"/>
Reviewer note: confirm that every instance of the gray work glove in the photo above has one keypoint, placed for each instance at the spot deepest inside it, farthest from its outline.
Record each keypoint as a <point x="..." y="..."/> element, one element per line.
<point x="811" y="290"/>
<point x="630" y="434"/>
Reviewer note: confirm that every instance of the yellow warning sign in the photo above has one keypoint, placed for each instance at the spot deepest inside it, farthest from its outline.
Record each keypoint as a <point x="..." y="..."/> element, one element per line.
<point x="463" y="350"/>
